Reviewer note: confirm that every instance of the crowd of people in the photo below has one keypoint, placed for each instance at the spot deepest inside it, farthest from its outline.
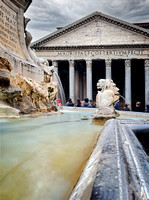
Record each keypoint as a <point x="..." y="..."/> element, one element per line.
<point x="138" y="107"/>
<point x="86" y="103"/>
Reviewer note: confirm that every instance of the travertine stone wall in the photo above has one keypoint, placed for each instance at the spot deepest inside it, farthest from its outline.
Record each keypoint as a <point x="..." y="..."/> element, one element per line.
<point x="23" y="67"/>
<point x="12" y="40"/>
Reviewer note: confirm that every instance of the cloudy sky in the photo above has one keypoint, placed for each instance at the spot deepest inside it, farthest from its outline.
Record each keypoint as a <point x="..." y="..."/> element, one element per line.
<point x="46" y="15"/>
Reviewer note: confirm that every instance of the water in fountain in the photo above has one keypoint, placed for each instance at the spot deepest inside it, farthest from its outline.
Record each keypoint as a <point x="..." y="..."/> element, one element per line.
<point x="61" y="93"/>
<point x="122" y="97"/>
<point x="42" y="158"/>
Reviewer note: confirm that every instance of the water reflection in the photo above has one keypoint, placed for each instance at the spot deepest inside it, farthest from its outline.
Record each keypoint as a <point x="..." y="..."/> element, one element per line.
<point x="42" y="158"/>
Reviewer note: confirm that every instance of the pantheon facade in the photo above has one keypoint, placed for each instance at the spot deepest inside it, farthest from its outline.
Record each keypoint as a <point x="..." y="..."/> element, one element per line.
<point x="100" y="46"/>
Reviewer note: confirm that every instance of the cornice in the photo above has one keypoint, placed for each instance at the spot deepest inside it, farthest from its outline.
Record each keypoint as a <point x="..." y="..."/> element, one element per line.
<point x="123" y="46"/>
<point x="87" y="19"/>
<point x="24" y="4"/>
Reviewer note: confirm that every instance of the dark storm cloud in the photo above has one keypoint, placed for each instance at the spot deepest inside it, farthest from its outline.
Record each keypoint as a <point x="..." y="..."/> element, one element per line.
<point x="46" y="15"/>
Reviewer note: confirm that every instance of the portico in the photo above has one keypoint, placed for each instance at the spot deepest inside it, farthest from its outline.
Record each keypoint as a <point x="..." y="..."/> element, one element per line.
<point x="99" y="46"/>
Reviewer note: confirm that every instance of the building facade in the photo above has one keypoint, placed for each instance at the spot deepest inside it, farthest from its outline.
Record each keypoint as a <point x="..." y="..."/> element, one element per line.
<point x="99" y="46"/>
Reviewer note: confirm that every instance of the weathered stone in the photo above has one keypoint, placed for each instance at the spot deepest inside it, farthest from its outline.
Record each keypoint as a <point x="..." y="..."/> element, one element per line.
<point x="4" y="77"/>
<point x="35" y="96"/>
<point x="118" y="167"/>
<point x="14" y="54"/>
<point x="9" y="92"/>
<point x="7" y="111"/>
<point x="4" y="64"/>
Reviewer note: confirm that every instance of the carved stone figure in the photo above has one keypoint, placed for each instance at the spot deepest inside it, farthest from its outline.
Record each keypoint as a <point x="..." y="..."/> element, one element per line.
<point x="107" y="96"/>
<point x="35" y="96"/>
<point x="43" y="63"/>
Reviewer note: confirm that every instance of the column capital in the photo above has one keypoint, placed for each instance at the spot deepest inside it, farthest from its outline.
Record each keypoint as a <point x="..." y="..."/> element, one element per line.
<point x="89" y="63"/>
<point x="127" y="63"/>
<point x="71" y="63"/>
<point x="146" y="63"/>
<point x="55" y="63"/>
<point x="108" y="62"/>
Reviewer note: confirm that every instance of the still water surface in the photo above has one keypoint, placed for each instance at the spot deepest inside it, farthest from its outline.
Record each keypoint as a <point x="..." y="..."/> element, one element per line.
<point x="42" y="158"/>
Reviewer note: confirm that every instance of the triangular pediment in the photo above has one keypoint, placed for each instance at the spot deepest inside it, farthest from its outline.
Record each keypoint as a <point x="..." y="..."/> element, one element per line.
<point x="95" y="29"/>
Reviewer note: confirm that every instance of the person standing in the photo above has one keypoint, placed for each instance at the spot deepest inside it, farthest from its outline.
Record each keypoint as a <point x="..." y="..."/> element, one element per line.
<point x="86" y="104"/>
<point x="127" y="107"/>
<point x="117" y="106"/>
<point x="78" y="103"/>
<point x="70" y="103"/>
<point x="147" y="108"/>
<point x="138" y="107"/>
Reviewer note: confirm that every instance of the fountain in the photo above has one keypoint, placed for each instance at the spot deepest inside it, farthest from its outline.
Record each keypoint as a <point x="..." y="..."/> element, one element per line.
<point x="26" y="80"/>
<point x="43" y="157"/>
<point x="105" y="100"/>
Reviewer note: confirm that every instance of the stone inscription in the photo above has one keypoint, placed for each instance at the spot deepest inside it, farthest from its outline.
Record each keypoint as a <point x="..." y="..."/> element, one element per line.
<point x="8" y="30"/>
<point x="123" y="53"/>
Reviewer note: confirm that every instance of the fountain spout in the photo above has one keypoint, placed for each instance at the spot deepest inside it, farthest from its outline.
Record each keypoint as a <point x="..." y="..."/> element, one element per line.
<point x="122" y="97"/>
<point x="61" y="93"/>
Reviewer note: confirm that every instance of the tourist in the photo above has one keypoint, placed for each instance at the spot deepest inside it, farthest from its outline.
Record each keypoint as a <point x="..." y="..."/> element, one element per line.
<point x="59" y="102"/>
<point x="86" y="103"/>
<point x="70" y="103"/>
<point x="127" y="107"/>
<point x="138" y="107"/>
<point x="92" y="104"/>
<point x="78" y="103"/>
<point x="147" y="108"/>
<point x="117" y="106"/>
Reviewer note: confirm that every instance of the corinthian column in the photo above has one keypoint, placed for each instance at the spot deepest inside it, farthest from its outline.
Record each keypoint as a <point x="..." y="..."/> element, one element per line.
<point x="108" y="68"/>
<point x="71" y="79"/>
<point x="89" y="78"/>
<point x="146" y="82"/>
<point x="128" y="82"/>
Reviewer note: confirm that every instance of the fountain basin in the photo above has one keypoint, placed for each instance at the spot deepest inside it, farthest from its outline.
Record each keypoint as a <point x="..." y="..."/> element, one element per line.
<point x="119" y="166"/>
<point x="47" y="154"/>
<point x="43" y="157"/>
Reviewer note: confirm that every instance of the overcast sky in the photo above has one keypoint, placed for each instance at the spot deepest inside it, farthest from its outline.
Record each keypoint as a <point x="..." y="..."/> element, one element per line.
<point x="46" y="15"/>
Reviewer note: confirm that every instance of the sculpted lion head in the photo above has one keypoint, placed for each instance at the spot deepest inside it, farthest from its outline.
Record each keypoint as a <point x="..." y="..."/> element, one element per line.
<point x="107" y="84"/>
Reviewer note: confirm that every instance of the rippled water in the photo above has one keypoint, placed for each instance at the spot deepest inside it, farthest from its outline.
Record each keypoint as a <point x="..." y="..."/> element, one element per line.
<point x="42" y="158"/>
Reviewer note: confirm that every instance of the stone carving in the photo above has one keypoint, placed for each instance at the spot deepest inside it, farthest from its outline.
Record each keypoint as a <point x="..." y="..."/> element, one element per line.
<point x="146" y="63"/>
<point x="7" y="91"/>
<point x="35" y="96"/>
<point x="88" y="63"/>
<point x="43" y="63"/>
<point x="108" y="62"/>
<point x="107" y="96"/>
<point x="127" y="63"/>
<point x="23" y="93"/>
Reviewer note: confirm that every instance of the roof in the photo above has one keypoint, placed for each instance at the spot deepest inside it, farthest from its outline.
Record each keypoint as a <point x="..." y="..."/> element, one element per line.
<point x="86" y="20"/>
<point x="143" y="25"/>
